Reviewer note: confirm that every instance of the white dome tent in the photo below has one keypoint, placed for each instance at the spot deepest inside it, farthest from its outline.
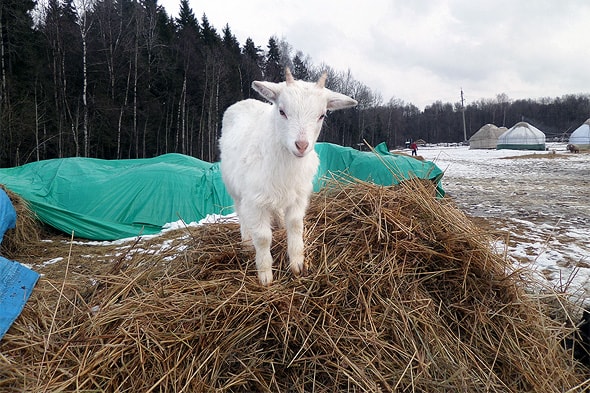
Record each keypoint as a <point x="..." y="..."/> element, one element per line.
<point x="486" y="137"/>
<point x="522" y="136"/>
<point x="581" y="136"/>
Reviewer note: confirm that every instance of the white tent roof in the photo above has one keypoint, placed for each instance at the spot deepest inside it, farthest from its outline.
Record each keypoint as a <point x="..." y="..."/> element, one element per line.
<point x="522" y="136"/>
<point x="581" y="135"/>
<point x="486" y="137"/>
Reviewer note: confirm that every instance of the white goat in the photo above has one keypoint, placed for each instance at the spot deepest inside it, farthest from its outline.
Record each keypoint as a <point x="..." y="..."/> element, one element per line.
<point x="268" y="162"/>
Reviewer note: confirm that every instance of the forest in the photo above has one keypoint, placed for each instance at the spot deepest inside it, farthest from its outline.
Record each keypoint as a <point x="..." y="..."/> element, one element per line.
<point x="118" y="79"/>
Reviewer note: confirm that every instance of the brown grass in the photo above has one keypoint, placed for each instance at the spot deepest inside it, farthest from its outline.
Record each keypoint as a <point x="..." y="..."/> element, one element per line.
<point x="404" y="294"/>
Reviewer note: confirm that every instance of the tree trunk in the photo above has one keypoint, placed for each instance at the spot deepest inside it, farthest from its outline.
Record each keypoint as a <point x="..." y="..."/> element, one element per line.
<point x="3" y="90"/>
<point x="135" y="79"/>
<point x="122" y="112"/>
<point x="180" y="118"/>
<point x="36" y="124"/>
<point x="83" y="7"/>
<point x="67" y="112"/>
<point x="85" y="90"/>
<point x="3" y="64"/>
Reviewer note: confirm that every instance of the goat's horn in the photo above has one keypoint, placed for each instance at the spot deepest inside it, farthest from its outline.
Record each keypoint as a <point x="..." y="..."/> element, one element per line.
<point x="288" y="76"/>
<point x="322" y="81"/>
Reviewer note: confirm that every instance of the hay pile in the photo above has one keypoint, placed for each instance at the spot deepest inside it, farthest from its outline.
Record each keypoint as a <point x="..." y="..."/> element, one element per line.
<point x="27" y="230"/>
<point x="404" y="294"/>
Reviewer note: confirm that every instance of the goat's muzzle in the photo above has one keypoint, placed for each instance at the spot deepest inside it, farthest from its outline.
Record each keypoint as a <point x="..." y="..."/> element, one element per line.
<point x="302" y="147"/>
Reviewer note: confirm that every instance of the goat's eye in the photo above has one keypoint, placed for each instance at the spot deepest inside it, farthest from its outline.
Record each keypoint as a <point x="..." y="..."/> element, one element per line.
<point x="322" y="117"/>
<point x="282" y="113"/>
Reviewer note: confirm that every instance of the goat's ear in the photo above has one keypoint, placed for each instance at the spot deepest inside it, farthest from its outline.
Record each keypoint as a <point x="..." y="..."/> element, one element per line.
<point x="268" y="90"/>
<point x="339" y="101"/>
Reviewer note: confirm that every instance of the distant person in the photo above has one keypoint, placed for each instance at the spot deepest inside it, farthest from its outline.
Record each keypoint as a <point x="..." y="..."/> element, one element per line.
<point x="414" y="148"/>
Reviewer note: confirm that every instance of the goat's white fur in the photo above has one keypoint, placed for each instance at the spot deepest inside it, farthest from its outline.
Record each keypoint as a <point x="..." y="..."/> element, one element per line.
<point x="268" y="161"/>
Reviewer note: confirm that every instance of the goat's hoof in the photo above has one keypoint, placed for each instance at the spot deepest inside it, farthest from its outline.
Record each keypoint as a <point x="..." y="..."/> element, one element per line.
<point x="265" y="277"/>
<point x="304" y="271"/>
<point x="299" y="269"/>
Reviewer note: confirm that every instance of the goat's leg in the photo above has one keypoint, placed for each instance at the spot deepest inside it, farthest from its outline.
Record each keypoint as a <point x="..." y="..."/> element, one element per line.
<point x="244" y="232"/>
<point x="258" y="225"/>
<point x="262" y="239"/>
<point x="294" y="225"/>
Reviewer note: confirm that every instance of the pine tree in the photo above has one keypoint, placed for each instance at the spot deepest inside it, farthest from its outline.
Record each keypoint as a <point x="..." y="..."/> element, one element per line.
<point x="300" y="70"/>
<point x="19" y="68"/>
<point x="208" y="33"/>
<point x="252" y="52"/>
<point x="273" y="71"/>
<point x="251" y="66"/>
<point x="233" y="75"/>
<point x="230" y="42"/>
<point x="186" y="18"/>
<point x="189" y="52"/>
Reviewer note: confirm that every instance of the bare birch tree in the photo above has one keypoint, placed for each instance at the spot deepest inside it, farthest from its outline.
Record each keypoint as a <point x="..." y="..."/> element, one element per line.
<point x="82" y="9"/>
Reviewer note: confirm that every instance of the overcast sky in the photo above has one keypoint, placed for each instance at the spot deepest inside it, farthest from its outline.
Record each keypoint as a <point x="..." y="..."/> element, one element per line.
<point x="421" y="51"/>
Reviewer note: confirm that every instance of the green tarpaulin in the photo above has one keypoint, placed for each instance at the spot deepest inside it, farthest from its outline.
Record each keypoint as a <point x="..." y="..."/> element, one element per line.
<point x="113" y="199"/>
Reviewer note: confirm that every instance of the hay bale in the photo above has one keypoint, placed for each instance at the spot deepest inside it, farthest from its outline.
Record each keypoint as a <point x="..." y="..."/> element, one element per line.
<point x="27" y="230"/>
<point x="404" y="294"/>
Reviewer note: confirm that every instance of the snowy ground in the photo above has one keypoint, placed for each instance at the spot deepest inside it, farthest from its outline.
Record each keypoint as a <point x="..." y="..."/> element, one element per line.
<point x="539" y="200"/>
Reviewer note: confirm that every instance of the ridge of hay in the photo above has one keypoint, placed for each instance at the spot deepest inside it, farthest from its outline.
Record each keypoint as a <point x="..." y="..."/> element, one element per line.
<point x="404" y="294"/>
<point x="27" y="230"/>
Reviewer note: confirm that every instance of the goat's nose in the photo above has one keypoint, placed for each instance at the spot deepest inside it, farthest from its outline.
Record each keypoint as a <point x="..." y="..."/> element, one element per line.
<point x="302" y="146"/>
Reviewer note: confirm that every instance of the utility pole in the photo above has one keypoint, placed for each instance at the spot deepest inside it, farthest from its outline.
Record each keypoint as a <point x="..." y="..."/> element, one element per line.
<point x="463" y="113"/>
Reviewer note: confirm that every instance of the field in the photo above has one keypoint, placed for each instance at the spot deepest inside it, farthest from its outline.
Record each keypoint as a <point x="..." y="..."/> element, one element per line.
<point x="406" y="292"/>
<point x="538" y="203"/>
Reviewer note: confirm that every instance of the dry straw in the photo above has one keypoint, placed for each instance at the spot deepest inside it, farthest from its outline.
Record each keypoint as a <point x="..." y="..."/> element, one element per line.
<point x="404" y="294"/>
<point x="27" y="230"/>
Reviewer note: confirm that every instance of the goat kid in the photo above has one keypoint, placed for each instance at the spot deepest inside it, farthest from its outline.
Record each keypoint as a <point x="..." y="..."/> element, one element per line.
<point x="268" y="162"/>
